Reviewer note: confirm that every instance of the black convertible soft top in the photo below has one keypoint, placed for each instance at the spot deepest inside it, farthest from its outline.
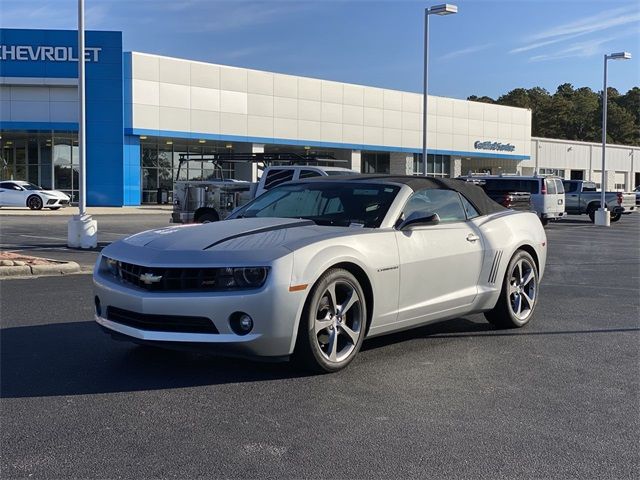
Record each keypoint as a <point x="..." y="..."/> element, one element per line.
<point x="478" y="198"/>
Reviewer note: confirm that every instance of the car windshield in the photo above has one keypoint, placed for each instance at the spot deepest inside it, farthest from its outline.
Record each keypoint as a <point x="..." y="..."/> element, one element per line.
<point x="325" y="203"/>
<point x="30" y="186"/>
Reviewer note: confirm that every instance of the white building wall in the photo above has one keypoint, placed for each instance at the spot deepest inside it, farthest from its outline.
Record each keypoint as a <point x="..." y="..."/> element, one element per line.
<point x="622" y="162"/>
<point x="194" y="97"/>
<point x="38" y="103"/>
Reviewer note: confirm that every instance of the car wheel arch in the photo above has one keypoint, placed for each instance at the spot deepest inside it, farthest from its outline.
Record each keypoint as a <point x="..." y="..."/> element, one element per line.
<point x="365" y="283"/>
<point x="531" y="251"/>
<point x="200" y="212"/>
<point x="353" y="267"/>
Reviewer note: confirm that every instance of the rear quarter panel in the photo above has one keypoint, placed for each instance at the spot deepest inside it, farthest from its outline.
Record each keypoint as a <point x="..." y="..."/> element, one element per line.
<point x="504" y="234"/>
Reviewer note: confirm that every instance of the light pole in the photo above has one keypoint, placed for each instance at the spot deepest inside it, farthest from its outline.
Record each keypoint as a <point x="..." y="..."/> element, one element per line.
<point x="444" y="9"/>
<point x="82" y="230"/>
<point x="603" y="216"/>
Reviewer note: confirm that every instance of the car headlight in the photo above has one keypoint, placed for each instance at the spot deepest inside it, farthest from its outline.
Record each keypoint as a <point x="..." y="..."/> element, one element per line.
<point x="250" y="277"/>
<point x="111" y="266"/>
<point x="241" y="277"/>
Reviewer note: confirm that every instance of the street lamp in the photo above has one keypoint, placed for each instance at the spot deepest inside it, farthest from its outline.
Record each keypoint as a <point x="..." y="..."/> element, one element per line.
<point x="603" y="217"/>
<point x="82" y="230"/>
<point x="444" y="9"/>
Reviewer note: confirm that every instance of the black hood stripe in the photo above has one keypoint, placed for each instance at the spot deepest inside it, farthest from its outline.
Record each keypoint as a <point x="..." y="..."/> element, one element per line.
<point x="302" y="223"/>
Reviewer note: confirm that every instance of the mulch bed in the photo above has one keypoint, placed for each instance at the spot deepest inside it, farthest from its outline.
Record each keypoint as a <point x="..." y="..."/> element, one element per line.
<point x="8" y="259"/>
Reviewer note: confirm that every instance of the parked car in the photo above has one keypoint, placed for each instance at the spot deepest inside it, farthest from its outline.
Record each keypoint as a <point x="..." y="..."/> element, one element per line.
<point x="637" y="192"/>
<point x="513" y="200"/>
<point x="547" y="192"/>
<point x="309" y="269"/>
<point x="583" y="198"/>
<point x="16" y="193"/>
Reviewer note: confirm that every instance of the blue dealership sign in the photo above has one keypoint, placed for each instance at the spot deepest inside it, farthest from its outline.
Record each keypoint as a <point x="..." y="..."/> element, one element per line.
<point x="51" y="55"/>
<point x="54" y="53"/>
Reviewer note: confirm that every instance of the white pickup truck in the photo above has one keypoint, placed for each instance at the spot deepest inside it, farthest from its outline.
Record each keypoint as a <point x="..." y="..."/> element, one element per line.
<point x="212" y="200"/>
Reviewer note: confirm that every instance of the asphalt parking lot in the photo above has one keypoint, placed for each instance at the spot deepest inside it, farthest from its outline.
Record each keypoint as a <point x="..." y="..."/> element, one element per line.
<point x="459" y="399"/>
<point x="45" y="235"/>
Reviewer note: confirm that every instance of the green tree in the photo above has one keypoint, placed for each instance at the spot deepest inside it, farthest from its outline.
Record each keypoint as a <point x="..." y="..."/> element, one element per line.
<point x="576" y="114"/>
<point x="630" y="101"/>
<point x="621" y="127"/>
<point x="483" y="99"/>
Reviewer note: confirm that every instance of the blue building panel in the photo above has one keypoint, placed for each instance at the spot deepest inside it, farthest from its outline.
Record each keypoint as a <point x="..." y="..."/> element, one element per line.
<point x="132" y="171"/>
<point x="54" y="54"/>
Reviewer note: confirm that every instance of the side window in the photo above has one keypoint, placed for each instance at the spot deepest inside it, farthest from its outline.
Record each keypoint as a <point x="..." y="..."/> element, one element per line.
<point x="446" y="203"/>
<point x="308" y="174"/>
<point x="276" y="177"/>
<point x="469" y="209"/>
<point x="551" y="186"/>
<point x="569" y="186"/>
<point x="559" y="186"/>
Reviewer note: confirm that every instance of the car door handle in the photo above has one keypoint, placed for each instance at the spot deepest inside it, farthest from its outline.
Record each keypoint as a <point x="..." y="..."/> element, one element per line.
<point x="472" y="238"/>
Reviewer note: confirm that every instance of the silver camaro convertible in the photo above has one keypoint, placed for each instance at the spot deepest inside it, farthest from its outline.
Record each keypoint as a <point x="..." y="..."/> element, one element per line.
<point x="309" y="269"/>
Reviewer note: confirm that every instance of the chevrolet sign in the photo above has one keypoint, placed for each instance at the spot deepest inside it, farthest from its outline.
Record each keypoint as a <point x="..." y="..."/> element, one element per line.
<point x="497" y="146"/>
<point x="48" y="53"/>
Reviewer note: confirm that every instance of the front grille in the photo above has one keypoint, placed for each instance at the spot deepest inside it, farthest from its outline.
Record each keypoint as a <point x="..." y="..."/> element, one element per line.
<point x="64" y="202"/>
<point x="175" y="279"/>
<point x="161" y="323"/>
<point x="161" y="279"/>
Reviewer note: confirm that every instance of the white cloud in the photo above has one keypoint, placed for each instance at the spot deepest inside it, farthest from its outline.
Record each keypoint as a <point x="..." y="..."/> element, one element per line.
<point x="586" y="48"/>
<point x="594" y="23"/>
<point x="584" y="26"/>
<point x="465" y="51"/>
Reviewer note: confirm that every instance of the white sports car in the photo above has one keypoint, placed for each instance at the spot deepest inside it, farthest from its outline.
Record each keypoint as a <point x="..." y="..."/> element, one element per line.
<point x="309" y="269"/>
<point x="17" y="193"/>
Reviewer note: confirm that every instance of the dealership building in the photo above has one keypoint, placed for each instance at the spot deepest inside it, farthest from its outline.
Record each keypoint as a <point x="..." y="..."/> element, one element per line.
<point x="145" y="111"/>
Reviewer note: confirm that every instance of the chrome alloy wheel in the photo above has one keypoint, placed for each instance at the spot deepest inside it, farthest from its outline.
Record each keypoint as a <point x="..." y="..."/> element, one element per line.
<point x="522" y="289"/>
<point x="338" y="320"/>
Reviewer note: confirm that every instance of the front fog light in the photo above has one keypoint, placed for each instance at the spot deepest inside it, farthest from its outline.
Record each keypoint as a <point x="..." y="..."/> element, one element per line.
<point x="241" y="323"/>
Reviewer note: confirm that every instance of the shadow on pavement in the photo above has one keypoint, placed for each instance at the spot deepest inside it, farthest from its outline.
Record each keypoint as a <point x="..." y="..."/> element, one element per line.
<point x="463" y="328"/>
<point x="77" y="359"/>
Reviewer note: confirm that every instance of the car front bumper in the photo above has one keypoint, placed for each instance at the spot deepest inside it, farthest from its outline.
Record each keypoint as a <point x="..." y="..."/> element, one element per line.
<point x="274" y="310"/>
<point x="56" y="202"/>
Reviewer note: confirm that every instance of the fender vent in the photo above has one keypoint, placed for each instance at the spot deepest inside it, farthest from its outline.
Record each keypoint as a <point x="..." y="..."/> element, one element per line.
<point x="494" y="267"/>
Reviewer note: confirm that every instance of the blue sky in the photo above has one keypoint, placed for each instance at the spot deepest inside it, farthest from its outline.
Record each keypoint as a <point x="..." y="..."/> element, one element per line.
<point x="488" y="48"/>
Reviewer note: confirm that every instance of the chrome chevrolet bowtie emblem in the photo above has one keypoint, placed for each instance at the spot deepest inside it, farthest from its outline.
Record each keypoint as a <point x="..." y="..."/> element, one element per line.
<point x="149" y="278"/>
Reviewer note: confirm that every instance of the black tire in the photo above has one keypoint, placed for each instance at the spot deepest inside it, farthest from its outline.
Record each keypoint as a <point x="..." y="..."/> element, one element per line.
<point x="592" y="214"/>
<point x="34" y="202"/>
<point x="54" y="208"/>
<point x="505" y="314"/>
<point x="615" y="217"/>
<point x="313" y="344"/>
<point x="544" y="221"/>
<point x="208" y="217"/>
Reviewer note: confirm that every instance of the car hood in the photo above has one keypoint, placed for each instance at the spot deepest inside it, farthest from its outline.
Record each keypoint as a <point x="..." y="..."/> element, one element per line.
<point x="54" y="194"/>
<point x="238" y="241"/>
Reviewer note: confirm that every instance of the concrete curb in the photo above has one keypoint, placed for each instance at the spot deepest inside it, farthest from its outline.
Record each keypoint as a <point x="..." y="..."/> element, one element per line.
<point x="58" y="268"/>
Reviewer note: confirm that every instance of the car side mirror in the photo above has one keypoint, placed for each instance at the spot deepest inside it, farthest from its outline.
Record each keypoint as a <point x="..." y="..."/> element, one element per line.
<point x="419" y="219"/>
